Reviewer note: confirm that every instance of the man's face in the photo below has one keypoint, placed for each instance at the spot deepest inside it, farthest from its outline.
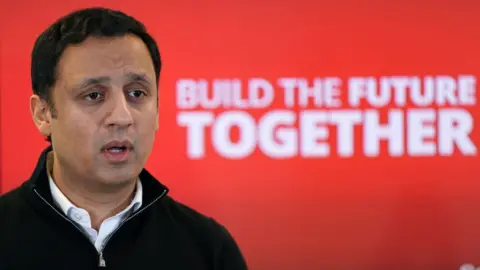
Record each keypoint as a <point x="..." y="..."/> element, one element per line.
<point x="106" y="109"/>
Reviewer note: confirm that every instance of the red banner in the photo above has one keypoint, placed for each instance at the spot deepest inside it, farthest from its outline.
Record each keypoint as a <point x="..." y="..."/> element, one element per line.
<point x="324" y="135"/>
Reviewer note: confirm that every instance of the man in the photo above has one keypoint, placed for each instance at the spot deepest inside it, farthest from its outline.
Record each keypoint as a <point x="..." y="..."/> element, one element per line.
<point x="89" y="202"/>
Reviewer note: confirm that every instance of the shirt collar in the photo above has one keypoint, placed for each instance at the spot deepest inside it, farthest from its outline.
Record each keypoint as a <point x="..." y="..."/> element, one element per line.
<point x="66" y="205"/>
<point x="37" y="188"/>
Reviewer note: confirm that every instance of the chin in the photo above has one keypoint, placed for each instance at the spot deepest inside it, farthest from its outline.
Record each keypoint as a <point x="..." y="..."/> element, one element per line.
<point x="119" y="177"/>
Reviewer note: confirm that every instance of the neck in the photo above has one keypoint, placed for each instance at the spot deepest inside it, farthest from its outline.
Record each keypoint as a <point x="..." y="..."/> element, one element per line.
<point x="100" y="201"/>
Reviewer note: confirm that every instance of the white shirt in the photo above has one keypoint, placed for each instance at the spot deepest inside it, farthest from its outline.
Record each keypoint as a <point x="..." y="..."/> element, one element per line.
<point x="82" y="218"/>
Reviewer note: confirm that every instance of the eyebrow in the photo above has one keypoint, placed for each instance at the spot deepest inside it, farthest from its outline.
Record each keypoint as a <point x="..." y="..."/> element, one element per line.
<point x="138" y="77"/>
<point x="131" y="77"/>
<point x="92" y="81"/>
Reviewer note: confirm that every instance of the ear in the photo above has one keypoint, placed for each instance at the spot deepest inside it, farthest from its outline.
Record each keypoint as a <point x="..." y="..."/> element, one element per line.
<point x="157" y="124"/>
<point x="41" y="115"/>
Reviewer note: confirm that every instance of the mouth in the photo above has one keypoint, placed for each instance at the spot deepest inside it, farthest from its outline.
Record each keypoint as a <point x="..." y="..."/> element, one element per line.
<point x="117" y="151"/>
<point x="118" y="145"/>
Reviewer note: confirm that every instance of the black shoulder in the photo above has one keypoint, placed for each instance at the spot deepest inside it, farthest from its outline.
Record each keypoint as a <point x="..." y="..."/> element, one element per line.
<point x="183" y="211"/>
<point x="9" y="202"/>
<point x="227" y="254"/>
<point x="11" y="209"/>
<point x="191" y="219"/>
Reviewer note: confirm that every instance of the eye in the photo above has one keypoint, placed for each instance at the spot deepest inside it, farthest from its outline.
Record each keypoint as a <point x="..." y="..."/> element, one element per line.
<point x="93" y="96"/>
<point x="136" y="94"/>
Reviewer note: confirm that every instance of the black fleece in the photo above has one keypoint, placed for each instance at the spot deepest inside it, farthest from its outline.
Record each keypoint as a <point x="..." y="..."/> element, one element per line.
<point x="162" y="234"/>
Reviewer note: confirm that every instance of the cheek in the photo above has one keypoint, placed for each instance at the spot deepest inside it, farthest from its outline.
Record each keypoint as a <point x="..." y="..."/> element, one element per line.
<point x="146" y="128"/>
<point x="78" y="129"/>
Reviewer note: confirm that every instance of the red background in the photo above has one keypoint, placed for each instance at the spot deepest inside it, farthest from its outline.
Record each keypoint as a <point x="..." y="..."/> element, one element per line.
<point x="356" y="213"/>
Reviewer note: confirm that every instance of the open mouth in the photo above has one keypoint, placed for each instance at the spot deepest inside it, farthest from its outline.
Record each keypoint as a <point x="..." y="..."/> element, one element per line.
<point x="117" y="149"/>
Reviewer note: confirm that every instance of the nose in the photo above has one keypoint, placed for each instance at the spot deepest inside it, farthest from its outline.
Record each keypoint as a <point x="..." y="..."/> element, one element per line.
<point x="119" y="112"/>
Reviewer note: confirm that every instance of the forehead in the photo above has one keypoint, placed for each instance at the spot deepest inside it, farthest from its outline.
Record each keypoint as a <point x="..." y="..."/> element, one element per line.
<point x="110" y="57"/>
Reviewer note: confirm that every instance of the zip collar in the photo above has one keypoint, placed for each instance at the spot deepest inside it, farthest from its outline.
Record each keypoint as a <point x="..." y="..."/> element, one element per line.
<point x="37" y="192"/>
<point x="38" y="183"/>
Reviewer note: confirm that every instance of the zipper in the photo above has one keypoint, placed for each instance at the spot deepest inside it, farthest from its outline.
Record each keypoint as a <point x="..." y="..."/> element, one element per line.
<point x="101" y="259"/>
<point x="102" y="262"/>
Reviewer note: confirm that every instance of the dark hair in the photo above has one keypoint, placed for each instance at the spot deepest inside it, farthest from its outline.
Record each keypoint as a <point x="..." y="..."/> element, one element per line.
<point x="74" y="28"/>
